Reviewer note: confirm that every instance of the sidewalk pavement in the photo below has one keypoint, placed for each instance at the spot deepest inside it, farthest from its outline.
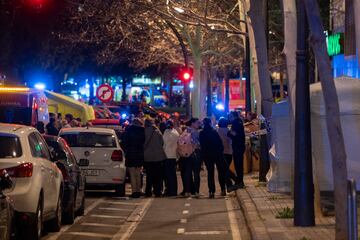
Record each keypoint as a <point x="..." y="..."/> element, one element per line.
<point x="261" y="207"/>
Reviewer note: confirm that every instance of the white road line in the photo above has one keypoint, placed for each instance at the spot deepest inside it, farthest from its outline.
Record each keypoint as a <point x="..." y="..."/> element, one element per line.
<point x="135" y="218"/>
<point x="180" y="230"/>
<point x="206" y="233"/>
<point x="116" y="209"/>
<point x="187" y="204"/>
<point x="185" y="212"/>
<point x="234" y="225"/>
<point x="122" y="203"/>
<point x="183" y="220"/>
<point x="100" y="225"/>
<point x="87" y="210"/>
<point x="90" y="234"/>
<point x="107" y="216"/>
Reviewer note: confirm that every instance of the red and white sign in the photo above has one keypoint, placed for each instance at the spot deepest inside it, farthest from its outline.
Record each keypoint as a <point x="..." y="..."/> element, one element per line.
<point x="105" y="93"/>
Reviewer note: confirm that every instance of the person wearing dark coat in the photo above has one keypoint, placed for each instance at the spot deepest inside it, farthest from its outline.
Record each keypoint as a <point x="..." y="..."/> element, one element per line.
<point x="212" y="150"/>
<point x="133" y="145"/>
<point x="154" y="159"/>
<point x="237" y="135"/>
<point x="51" y="128"/>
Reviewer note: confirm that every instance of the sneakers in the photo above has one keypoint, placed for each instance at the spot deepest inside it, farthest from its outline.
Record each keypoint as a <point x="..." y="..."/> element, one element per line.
<point x="197" y="195"/>
<point x="211" y="195"/>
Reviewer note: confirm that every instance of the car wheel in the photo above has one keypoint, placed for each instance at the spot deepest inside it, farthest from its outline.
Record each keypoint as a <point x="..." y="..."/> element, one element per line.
<point x="81" y="210"/>
<point x="55" y="223"/>
<point x="33" y="230"/>
<point x="69" y="216"/>
<point x="120" y="190"/>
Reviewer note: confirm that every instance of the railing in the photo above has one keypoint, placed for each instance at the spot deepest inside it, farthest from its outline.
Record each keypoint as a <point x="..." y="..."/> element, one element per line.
<point x="352" y="210"/>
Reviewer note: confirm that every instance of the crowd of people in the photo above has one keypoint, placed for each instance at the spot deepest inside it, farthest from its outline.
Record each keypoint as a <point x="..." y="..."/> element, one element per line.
<point x="162" y="147"/>
<point x="57" y="122"/>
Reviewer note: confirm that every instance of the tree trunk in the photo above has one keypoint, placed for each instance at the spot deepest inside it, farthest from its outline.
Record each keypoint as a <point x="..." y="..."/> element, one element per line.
<point x="195" y="92"/>
<point x="336" y="139"/>
<point x="203" y="91"/>
<point x="227" y="87"/>
<point x="209" y="91"/>
<point x="254" y="69"/>
<point x="357" y="24"/>
<point x="290" y="23"/>
<point x="257" y="17"/>
<point x="290" y="38"/>
<point x="123" y="85"/>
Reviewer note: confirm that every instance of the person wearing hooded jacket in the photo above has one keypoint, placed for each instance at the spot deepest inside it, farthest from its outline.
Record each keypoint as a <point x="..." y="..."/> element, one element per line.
<point x="154" y="157"/>
<point x="133" y="144"/>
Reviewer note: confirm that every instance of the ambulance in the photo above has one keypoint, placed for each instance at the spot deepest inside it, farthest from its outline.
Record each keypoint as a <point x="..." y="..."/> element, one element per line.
<point x="22" y="105"/>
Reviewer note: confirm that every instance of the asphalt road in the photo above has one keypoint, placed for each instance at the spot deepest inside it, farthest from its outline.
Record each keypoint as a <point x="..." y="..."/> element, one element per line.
<point x="108" y="217"/>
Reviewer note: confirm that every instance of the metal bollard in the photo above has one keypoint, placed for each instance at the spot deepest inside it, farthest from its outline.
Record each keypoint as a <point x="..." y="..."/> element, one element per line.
<point x="352" y="210"/>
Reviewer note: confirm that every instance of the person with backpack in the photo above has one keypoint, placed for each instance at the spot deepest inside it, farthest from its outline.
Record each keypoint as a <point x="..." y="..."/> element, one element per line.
<point x="133" y="144"/>
<point x="154" y="157"/>
<point x="171" y="137"/>
<point x="189" y="151"/>
<point x="212" y="150"/>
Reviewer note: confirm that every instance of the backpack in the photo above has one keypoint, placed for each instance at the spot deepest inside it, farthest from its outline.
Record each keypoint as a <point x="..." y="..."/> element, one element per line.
<point x="185" y="146"/>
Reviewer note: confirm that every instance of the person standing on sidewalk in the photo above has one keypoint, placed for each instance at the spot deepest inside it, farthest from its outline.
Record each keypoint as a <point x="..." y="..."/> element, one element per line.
<point x="228" y="152"/>
<point x="133" y="144"/>
<point x="171" y="137"/>
<point x="190" y="161"/>
<point x="212" y="151"/>
<point x="237" y="135"/>
<point x="154" y="157"/>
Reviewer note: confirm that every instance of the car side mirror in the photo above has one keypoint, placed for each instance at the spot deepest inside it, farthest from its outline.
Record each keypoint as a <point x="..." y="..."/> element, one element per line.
<point x="5" y="180"/>
<point x="83" y="162"/>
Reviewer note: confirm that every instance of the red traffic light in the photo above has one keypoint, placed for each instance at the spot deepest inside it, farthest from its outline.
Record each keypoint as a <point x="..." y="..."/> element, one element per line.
<point x="186" y="76"/>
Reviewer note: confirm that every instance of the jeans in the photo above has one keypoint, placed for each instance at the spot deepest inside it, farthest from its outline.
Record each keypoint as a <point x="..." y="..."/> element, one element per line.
<point x="192" y="167"/>
<point x="153" y="178"/>
<point x="135" y="179"/>
<point x="170" y="176"/>
<point x="223" y="173"/>
<point x="239" y="166"/>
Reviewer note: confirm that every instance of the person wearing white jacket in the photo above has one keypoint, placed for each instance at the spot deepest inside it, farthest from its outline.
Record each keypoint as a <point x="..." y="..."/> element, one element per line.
<point x="170" y="137"/>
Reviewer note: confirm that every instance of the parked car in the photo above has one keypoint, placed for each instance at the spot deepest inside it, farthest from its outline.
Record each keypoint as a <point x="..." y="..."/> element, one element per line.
<point x="101" y="147"/>
<point x="7" y="219"/>
<point x="74" y="180"/>
<point x="38" y="183"/>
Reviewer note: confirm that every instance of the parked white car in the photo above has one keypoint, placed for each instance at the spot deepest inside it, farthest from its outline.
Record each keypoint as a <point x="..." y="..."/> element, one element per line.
<point x="101" y="147"/>
<point x="37" y="182"/>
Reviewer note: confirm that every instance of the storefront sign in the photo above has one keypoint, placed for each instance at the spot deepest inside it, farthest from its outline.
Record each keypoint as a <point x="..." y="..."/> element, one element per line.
<point x="335" y="44"/>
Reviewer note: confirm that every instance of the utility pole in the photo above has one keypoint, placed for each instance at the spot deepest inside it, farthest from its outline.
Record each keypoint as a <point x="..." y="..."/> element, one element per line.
<point x="303" y="183"/>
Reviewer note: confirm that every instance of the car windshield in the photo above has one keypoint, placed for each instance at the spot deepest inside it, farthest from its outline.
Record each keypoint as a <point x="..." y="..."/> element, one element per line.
<point x="90" y="139"/>
<point x="10" y="147"/>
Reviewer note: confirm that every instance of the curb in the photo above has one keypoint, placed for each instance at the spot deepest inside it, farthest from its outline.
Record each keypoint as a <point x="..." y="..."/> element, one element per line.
<point x="255" y="224"/>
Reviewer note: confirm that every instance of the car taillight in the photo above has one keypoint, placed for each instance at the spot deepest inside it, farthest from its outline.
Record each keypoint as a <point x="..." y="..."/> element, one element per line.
<point x="21" y="171"/>
<point x="117" y="155"/>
